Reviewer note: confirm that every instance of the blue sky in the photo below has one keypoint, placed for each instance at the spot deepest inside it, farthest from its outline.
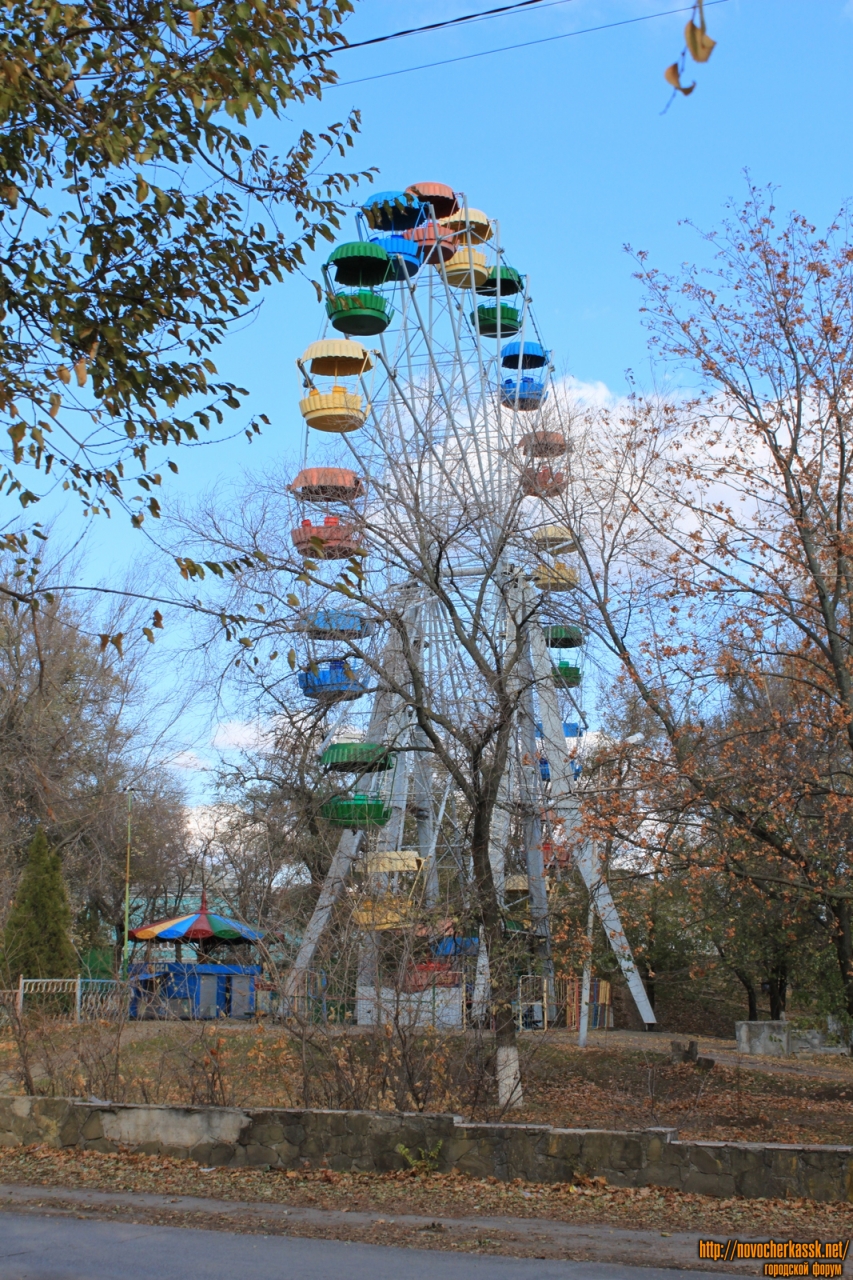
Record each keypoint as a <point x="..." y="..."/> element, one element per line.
<point x="565" y="142"/>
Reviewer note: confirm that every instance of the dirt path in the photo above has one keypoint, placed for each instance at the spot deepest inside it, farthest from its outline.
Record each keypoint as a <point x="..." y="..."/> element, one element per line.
<point x="834" y="1067"/>
<point x="508" y="1236"/>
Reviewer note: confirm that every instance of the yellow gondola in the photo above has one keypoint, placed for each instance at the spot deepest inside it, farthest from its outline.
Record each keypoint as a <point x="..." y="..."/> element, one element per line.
<point x="555" y="577"/>
<point x="382" y="913"/>
<point x="554" y="537"/>
<point x="472" y="226"/>
<point x="336" y="410"/>
<point x="392" y="862"/>
<point x="336" y="358"/>
<point x="467" y="269"/>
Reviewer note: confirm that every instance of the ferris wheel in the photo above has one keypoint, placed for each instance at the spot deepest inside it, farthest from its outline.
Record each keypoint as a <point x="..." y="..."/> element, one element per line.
<point x="432" y="436"/>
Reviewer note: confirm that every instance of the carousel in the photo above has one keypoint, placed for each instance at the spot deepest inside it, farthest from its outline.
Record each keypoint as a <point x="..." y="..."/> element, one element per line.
<point x="207" y="987"/>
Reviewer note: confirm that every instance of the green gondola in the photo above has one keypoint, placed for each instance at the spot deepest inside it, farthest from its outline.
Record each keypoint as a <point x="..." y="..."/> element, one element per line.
<point x="566" y="674"/>
<point x="505" y="280"/>
<point x="356" y="811"/>
<point x="361" y="264"/>
<point x="357" y="757"/>
<point x="361" y="314"/>
<point x="491" y="323"/>
<point x="569" y="637"/>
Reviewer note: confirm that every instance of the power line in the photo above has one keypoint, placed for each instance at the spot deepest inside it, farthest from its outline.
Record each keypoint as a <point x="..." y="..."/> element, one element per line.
<point x="524" y="44"/>
<point x="454" y="22"/>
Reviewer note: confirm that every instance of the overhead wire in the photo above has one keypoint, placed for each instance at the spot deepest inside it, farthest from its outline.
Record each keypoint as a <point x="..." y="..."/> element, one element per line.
<point x="481" y="16"/>
<point x="524" y="44"/>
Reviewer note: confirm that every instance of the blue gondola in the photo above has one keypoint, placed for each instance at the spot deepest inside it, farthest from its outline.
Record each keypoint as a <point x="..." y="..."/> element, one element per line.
<point x="456" y="946"/>
<point x="392" y="211"/>
<point x="545" y="769"/>
<point x="334" y="624"/>
<point x="570" y="728"/>
<point x="332" y="681"/>
<point x="523" y="393"/>
<point x="405" y="254"/>
<point x="531" y="355"/>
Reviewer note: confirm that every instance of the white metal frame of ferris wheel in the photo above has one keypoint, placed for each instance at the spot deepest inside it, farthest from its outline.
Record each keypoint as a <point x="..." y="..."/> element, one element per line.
<point x="437" y="429"/>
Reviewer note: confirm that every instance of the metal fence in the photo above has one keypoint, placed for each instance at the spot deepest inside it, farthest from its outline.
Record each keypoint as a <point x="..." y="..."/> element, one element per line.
<point x="441" y="999"/>
<point x="67" y="999"/>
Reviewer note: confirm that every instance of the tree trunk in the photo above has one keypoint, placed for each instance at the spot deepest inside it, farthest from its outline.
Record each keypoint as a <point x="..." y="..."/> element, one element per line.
<point x="508" y="1075"/>
<point x="843" y="941"/>
<point x="752" y="998"/>
<point x="778" y="984"/>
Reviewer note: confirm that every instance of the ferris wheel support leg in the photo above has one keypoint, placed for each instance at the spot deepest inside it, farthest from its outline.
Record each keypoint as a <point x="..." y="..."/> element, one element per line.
<point x="565" y="802"/>
<point x="348" y="847"/>
<point x="422" y="795"/>
<point x="589" y="865"/>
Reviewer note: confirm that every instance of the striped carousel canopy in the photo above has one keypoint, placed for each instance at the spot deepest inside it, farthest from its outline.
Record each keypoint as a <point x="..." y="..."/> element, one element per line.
<point x="198" y="926"/>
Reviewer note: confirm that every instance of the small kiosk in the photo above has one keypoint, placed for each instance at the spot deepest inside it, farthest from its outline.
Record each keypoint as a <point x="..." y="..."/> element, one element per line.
<point x="204" y="989"/>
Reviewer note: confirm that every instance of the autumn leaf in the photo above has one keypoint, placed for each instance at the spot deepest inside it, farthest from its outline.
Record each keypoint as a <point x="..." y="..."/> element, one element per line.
<point x="699" y="43"/>
<point x="672" y="76"/>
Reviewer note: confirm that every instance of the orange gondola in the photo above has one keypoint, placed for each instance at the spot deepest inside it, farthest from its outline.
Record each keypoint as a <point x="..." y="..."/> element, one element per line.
<point x="330" y="540"/>
<point x="542" y="482"/>
<point x="543" y="444"/>
<point x="327" y="484"/>
<point x="443" y="199"/>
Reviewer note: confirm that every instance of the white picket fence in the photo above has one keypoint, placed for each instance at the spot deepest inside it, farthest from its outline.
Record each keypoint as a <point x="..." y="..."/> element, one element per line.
<point x="85" y="999"/>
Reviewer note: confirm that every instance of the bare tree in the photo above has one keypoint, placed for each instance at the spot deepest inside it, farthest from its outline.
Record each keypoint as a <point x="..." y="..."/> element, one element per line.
<point x="716" y="567"/>
<point x="76" y="733"/>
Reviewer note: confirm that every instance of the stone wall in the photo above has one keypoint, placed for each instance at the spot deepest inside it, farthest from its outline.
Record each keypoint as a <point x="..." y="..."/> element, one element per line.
<point x="368" y="1141"/>
<point x="780" y="1040"/>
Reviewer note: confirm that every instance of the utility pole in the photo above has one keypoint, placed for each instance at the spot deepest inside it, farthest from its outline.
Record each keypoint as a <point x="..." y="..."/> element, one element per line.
<point x="127" y="884"/>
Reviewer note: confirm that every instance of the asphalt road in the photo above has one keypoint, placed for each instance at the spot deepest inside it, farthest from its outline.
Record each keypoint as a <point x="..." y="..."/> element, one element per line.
<point x="51" y="1248"/>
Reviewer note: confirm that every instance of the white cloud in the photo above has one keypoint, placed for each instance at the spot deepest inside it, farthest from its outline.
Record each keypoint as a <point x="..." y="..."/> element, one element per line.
<point x="204" y="820"/>
<point x="188" y="760"/>
<point x="588" y="395"/>
<point x="238" y="735"/>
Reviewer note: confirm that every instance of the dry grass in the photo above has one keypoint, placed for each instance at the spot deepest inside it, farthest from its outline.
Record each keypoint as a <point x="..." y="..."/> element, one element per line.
<point x="614" y="1083"/>
<point x="618" y="1086"/>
